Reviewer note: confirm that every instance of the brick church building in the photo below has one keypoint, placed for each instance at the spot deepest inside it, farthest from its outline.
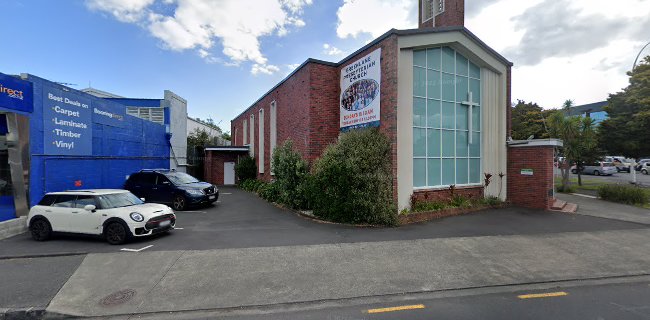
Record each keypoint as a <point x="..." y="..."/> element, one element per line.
<point x="438" y="92"/>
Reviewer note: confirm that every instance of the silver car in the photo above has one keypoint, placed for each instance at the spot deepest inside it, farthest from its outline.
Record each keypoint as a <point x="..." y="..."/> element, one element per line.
<point x="597" y="168"/>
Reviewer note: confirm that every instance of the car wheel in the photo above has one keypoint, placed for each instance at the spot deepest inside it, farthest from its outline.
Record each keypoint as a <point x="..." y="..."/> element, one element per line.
<point x="115" y="233"/>
<point x="179" y="203"/>
<point x="40" y="229"/>
<point x="574" y="171"/>
<point x="644" y="171"/>
<point x="596" y="172"/>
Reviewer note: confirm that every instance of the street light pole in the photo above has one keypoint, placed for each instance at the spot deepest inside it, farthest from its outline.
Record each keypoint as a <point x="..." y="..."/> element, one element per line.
<point x="633" y="166"/>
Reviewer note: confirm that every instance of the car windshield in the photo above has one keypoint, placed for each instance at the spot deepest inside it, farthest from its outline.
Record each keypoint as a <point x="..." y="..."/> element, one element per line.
<point x="179" y="178"/>
<point x="607" y="164"/>
<point x="118" y="200"/>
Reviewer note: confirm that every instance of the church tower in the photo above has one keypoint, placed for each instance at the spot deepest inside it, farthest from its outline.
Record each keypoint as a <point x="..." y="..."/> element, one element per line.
<point x="441" y="13"/>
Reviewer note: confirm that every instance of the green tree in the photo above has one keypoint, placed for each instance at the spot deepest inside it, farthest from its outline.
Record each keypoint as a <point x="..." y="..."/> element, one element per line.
<point x="580" y="142"/>
<point x="626" y="131"/>
<point x="198" y="138"/>
<point x="529" y="119"/>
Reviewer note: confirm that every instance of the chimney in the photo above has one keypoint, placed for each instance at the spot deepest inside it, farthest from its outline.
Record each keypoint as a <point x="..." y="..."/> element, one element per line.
<point x="441" y="13"/>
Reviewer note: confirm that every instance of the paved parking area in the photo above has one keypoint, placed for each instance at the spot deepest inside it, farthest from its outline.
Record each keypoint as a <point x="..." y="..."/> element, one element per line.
<point x="242" y="220"/>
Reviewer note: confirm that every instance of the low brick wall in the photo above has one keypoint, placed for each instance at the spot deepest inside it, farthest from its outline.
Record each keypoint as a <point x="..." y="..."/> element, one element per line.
<point x="444" y="194"/>
<point x="12" y="227"/>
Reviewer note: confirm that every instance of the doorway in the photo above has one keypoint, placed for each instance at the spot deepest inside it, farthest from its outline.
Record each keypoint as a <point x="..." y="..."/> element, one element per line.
<point x="228" y="173"/>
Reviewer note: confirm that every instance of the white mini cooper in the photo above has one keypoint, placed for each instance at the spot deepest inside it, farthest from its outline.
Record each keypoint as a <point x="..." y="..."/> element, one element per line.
<point x="117" y="215"/>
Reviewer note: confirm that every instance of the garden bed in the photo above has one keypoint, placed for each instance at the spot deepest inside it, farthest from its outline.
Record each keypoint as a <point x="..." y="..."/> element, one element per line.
<point x="422" y="216"/>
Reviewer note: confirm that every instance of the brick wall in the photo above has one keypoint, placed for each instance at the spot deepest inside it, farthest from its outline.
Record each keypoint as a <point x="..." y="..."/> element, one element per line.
<point x="214" y="160"/>
<point x="445" y="194"/>
<point x="388" y="102"/>
<point x="454" y="15"/>
<point x="535" y="191"/>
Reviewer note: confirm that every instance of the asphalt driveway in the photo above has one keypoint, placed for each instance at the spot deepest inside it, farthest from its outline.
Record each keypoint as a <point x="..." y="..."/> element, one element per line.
<point x="242" y="220"/>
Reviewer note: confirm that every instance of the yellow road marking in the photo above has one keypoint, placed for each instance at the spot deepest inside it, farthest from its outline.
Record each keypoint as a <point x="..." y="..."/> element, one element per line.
<point x="400" y="308"/>
<point x="542" y="295"/>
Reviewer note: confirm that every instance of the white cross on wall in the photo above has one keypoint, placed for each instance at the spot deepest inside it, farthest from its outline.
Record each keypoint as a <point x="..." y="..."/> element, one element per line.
<point x="470" y="103"/>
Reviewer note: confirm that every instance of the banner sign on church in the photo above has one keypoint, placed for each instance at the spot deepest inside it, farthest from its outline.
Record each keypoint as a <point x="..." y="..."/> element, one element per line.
<point x="360" y="92"/>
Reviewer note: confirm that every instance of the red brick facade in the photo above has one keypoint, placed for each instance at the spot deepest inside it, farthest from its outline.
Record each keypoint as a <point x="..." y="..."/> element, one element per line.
<point x="453" y="16"/>
<point x="445" y="194"/>
<point x="307" y="105"/>
<point x="536" y="190"/>
<point x="213" y="168"/>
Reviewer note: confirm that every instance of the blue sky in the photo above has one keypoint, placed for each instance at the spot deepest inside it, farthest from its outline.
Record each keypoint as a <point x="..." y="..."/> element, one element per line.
<point x="223" y="55"/>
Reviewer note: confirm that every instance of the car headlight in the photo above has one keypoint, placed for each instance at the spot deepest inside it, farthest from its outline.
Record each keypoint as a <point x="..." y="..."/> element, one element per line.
<point x="137" y="217"/>
<point x="195" y="192"/>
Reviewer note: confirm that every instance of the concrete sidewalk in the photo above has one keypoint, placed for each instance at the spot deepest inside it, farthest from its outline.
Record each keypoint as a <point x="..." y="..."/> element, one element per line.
<point x="191" y="280"/>
<point x="606" y="209"/>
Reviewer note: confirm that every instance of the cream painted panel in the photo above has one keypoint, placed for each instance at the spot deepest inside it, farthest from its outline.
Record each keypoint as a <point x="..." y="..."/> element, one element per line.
<point x="404" y="127"/>
<point x="493" y="130"/>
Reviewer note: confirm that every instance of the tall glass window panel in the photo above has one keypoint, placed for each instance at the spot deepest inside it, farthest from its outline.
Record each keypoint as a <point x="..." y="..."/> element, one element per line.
<point x="462" y="88"/>
<point x="475" y="146"/>
<point x="461" y="144"/>
<point x="448" y="60"/>
<point x="462" y="171"/>
<point x="474" y="71"/>
<point x="448" y="172"/>
<point x="419" y="172"/>
<point x="420" y="58"/>
<point x="475" y="88"/>
<point x="448" y="143"/>
<point x="419" y="142"/>
<point x="433" y="143"/>
<point x="433" y="114"/>
<point x="448" y="115"/>
<point x="462" y="114"/>
<point x="474" y="170"/>
<point x="433" y="58"/>
<point x="448" y="87"/>
<point x="419" y="112"/>
<point x="461" y="65"/>
<point x="476" y="118"/>
<point x="419" y="82"/>
<point x="433" y="172"/>
<point x="433" y="84"/>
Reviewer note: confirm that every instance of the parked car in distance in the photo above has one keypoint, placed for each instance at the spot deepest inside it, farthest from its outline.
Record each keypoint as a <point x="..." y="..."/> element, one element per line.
<point x="115" y="214"/>
<point x="645" y="167"/>
<point x="640" y="164"/>
<point x="596" y="168"/>
<point x="178" y="189"/>
<point x="621" y="163"/>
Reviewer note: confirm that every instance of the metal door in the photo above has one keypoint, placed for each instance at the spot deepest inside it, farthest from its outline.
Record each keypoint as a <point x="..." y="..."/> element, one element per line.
<point x="229" y="173"/>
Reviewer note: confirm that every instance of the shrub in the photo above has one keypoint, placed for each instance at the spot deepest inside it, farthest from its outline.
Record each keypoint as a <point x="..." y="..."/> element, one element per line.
<point x="352" y="181"/>
<point x="420" y="206"/>
<point x="290" y="174"/>
<point x="269" y="192"/>
<point x="245" y="169"/>
<point x="567" y="189"/>
<point x="459" y="201"/>
<point x="491" y="201"/>
<point x="623" y="194"/>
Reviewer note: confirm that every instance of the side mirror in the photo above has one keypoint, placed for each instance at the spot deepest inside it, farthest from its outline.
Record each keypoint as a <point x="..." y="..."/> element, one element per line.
<point x="90" y="207"/>
<point x="142" y="199"/>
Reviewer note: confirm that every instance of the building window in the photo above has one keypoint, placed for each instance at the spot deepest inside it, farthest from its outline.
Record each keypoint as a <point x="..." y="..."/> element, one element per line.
<point x="156" y="115"/>
<point x="446" y="119"/>
<point x="427" y="10"/>
<point x="260" y="140"/>
<point x="273" y="130"/>
<point x="251" y="136"/>
<point x="245" y="132"/>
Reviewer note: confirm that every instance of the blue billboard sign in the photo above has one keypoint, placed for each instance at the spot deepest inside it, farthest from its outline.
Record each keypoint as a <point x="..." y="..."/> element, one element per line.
<point x="16" y="94"/>
<point x="67" y="123"/>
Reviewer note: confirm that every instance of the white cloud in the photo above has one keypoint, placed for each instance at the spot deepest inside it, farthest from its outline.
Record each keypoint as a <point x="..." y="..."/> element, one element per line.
<point x="201" y="24"/>
<point x="331" y="50"/>
<point x="264" y="69"/>
<point x="572" y="58"/>
<point x="123" y="10"/>
<point x="375" y="17"/>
